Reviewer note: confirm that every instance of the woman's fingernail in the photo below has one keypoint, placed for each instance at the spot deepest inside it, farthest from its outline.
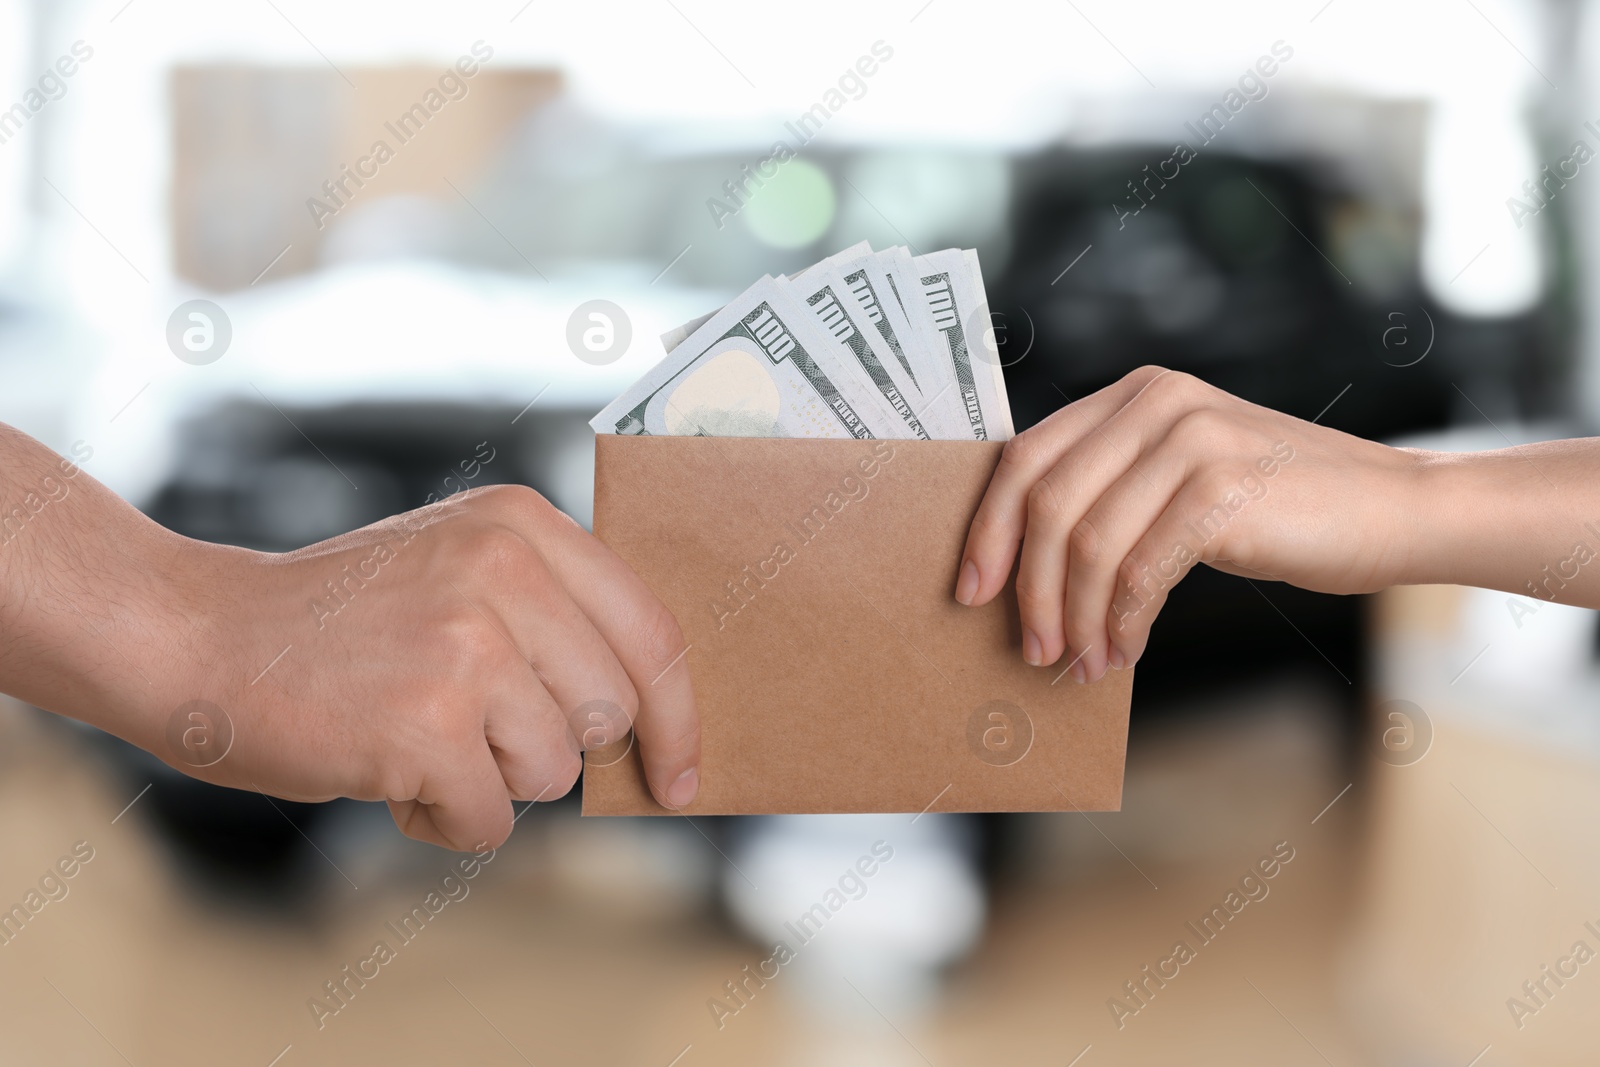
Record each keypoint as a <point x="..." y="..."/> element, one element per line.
<point x="1080" y="673"/>
<point x="967" y="583"/>
<point x="1116" y="658"/>
<point x="1032" y="651"/>
<point x="681" y="792"/>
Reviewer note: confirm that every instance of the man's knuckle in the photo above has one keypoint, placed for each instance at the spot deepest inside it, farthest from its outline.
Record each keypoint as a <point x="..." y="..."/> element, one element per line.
<point x="450" y="724"/>
<point x="551" y="778"/>
<point x="628" y="700"/>
<point x="660" y="637"/>
<point x="466" y="654"/>
<point x="516" y="499"/>
<point x="455" y="637"/>
<point x="496" y="554"/>
<point x="675" y="742"/>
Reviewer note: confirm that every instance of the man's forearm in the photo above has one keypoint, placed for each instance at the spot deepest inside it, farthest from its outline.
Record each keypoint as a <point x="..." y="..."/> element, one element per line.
<point x="82" y="582"/>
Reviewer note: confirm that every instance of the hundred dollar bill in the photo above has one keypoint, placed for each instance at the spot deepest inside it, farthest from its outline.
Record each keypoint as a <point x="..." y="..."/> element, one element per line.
<point x="757" y="368"/>
<point x="888" y="319"/>
<point x="984" y="343"/>
<point x="896" y="265"/>
<point x="826" y="297"/>
<point x="950" y="291"/>
<point x="872" y="281"/>
<point x="896" y="276"/>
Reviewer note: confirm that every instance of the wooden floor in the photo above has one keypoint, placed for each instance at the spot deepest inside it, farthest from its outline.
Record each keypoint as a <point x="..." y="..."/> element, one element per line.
<point x="591" y="942"/>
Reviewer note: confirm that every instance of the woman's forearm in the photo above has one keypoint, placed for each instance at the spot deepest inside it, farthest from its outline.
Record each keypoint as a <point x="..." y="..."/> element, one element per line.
<point x="1524" y="519"/>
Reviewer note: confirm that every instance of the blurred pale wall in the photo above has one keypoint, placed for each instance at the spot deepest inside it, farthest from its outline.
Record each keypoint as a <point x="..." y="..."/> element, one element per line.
<point x="264" y="158"/>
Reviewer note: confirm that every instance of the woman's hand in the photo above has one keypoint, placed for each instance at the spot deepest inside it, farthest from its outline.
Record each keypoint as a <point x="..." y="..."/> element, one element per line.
<point x="1116" y="496"/>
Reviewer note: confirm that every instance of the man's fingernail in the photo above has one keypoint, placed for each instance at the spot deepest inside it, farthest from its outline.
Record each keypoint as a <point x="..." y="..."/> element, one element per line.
<point x="1080" y="673"/>
<point x="967" y="583"/>
<point x="1116" y="658"/>
<point x="681" y="792"/>
<point x="1032" y="651"/>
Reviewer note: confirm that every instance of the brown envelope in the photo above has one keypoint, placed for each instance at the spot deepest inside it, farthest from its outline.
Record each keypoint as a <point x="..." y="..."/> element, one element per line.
<point x="833" y="669"/>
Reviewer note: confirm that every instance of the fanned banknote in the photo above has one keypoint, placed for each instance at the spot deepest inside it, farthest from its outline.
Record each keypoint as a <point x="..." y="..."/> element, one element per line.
<point x="951" y="290"/>
<point x="826" y="298"/>
<point x="872" y="281"/>
<point x="862" y="344"/>
<point x="866" y="287"/>
<point x="760" y="367"/>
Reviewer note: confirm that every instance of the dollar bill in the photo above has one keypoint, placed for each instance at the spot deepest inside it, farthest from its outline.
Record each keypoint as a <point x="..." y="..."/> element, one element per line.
<point x="827" y="298"/>
<point x="888" y="319"/>
<point x="950" y="294"/>
<point x="896" y="265"/>
<point x="901" y="342"/>
<point x="985" y="346"/>
<point x="759" y="367"/>
<point x="896" y="274"/>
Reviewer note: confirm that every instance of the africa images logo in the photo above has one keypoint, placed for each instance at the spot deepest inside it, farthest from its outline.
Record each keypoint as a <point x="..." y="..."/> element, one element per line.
<point x="199" y="733"/>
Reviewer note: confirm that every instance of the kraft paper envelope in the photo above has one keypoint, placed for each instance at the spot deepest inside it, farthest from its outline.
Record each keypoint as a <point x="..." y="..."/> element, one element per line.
<point x="832" y="667"/>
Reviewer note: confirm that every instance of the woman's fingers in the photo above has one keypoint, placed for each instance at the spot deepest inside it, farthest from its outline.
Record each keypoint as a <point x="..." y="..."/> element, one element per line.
<point x="1082" y="493"/>
<point x="1002" y="517"/>
<point x="1056" y="530"/>
<point x="1100" y="547"/>
<point x="1159" y="560"/>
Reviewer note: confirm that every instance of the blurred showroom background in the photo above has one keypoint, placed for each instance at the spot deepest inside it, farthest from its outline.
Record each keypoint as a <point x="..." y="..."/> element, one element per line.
<point x="1344" y="249"/>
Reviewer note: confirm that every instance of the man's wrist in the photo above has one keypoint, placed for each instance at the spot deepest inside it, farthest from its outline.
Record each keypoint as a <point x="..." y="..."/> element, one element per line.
<point x="191" y="644"/>
<point x="112" y="632"/>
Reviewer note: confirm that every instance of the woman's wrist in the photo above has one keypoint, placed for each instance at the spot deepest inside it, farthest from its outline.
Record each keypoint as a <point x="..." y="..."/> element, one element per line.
<point x="1502" y="520"/>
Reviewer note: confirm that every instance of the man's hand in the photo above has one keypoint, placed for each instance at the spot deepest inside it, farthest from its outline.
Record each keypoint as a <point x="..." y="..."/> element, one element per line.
<point x="449" y="660"/>
<point x="1114" y="498"/>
